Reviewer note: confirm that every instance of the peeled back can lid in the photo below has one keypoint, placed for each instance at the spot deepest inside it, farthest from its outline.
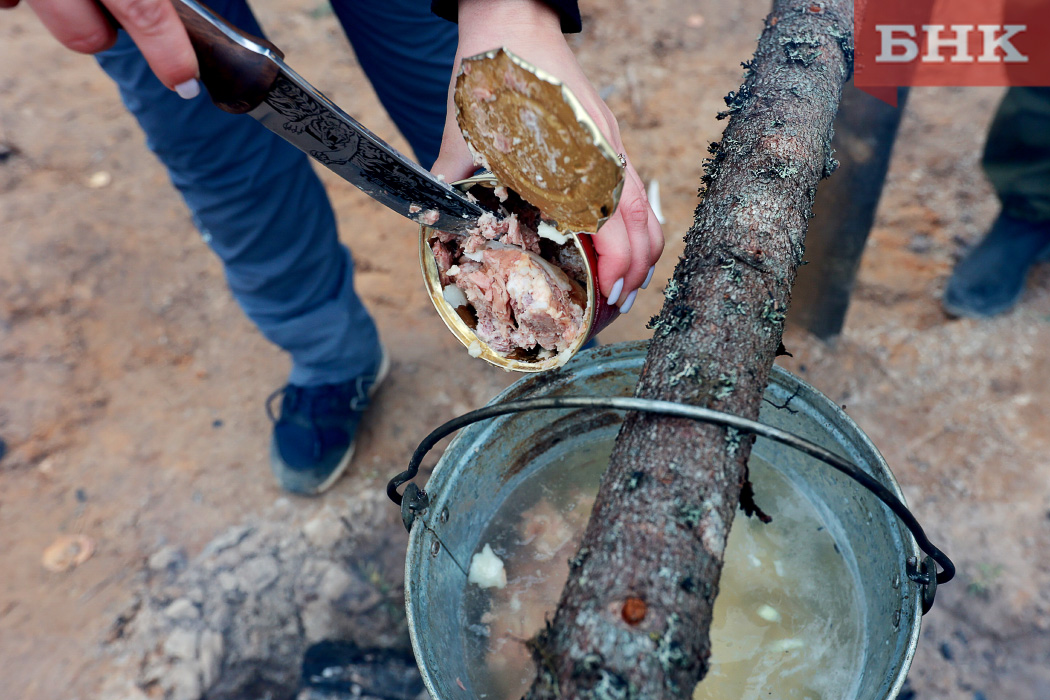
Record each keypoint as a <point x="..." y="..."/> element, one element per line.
<point x="534" y="135"/>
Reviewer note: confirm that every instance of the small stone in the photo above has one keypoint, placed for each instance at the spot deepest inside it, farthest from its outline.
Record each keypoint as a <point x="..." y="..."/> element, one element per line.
<point x="181" y="644"/>
<point x="47" y="466"/>
<point x="258" y="573"/>
<point x="66" y="552"/>
<point x="182" y="609"/>
<point x="210" y="655"/>
<point x="324" y="530"/>
<point x="99" y="180"/>
<point x="184" y="683"/>
<point x="227" y="581"/>
<point x="171" y="559"/>
<point x="336" y="584"/>
<point x="231" y="538"/>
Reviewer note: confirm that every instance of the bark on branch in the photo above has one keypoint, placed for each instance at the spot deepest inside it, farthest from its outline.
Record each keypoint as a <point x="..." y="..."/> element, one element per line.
<point x="634" y="617"/>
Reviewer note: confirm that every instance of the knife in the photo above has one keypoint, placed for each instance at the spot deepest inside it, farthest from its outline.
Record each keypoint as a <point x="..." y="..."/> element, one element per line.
<point x="247" y="75"/>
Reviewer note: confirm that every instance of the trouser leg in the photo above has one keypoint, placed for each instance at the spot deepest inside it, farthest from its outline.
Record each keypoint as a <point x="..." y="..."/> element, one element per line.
<point x="262" y="209"/>
<point x="407" y="52"/>
<point x="1017" y="154"/>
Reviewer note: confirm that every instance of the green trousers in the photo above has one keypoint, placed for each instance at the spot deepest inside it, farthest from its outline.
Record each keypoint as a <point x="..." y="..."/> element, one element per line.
<point x="1017" y="154"/>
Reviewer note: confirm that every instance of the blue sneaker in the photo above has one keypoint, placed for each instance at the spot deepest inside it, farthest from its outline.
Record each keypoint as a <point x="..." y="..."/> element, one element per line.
<point x="315" y="435"/>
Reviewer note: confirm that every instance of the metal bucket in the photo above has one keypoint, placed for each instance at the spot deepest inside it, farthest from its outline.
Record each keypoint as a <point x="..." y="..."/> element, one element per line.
<point x="488" y="460"/>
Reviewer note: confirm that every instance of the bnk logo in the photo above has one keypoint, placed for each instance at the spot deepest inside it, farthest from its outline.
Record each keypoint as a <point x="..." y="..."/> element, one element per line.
<point x="994" y="45"/>
<point x="951" y="42"/>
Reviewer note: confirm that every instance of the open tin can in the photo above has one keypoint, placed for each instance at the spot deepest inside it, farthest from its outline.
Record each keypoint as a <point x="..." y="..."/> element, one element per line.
<point x="536" y="139"/>
<point x="462" y="321"/>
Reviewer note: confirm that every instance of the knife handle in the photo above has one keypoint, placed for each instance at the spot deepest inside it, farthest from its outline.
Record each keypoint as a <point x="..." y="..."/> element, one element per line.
<point x="237" y="77"/>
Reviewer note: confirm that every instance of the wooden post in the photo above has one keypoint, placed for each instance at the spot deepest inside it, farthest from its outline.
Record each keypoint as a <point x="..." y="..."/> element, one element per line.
<point x="634" y="616"/>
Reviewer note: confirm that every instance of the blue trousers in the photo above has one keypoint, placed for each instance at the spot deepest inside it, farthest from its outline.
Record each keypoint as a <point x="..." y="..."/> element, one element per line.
<point x="258" y="203"/>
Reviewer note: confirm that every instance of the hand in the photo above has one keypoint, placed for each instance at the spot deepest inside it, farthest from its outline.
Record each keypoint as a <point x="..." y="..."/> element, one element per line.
<point x="82" y="25"/>
<point x="631" y="241"/>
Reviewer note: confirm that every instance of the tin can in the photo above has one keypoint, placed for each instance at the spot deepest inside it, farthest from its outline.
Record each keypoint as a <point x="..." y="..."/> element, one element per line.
<point x="598" y="313"/>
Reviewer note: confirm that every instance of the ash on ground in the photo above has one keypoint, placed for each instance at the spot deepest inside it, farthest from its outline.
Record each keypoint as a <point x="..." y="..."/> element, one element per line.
<point x="271" y="610"/>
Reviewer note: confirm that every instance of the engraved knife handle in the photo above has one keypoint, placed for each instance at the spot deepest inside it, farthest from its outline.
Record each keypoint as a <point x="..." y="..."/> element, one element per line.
<point x="234" y="65"/>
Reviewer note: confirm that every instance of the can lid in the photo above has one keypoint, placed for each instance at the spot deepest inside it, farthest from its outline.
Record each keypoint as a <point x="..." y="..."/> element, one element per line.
<point x="528" y="128"/>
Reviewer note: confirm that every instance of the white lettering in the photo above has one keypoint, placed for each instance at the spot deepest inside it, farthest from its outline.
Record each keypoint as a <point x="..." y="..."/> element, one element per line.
<point x="1012" y="55"/>
<point x="935" y="42"/>
<point x="891" y="42"/>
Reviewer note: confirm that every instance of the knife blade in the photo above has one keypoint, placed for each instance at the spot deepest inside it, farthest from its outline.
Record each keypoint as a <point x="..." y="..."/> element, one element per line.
<point x="247" y="75"/>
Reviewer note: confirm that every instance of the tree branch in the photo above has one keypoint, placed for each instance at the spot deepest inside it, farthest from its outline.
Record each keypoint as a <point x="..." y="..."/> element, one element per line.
<point x="634" y="617"/>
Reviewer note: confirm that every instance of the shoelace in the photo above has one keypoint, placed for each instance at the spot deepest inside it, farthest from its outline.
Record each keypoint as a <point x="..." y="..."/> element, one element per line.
<point x="310" y="397"/>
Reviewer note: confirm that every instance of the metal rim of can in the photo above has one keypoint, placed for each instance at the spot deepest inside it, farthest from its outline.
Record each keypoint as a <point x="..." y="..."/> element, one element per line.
<point x="598" y="314"/>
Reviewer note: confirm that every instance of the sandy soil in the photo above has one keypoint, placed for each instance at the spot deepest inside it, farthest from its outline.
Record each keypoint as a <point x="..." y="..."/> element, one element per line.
<point x="132" y="386"/>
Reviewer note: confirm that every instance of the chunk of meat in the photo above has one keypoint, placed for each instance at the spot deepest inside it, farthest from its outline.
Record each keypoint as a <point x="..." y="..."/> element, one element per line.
<point x="521" y="301"/>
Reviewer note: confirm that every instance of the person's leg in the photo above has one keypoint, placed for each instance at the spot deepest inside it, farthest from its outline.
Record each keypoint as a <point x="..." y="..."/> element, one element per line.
<point x="407" y="53"/>
<point x="1017" y="153"/>
<point x="262" y="209"/>
<point x="990" y="278"/>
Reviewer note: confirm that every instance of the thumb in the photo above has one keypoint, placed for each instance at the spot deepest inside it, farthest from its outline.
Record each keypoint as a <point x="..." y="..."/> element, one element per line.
<point x="454" y="161"/>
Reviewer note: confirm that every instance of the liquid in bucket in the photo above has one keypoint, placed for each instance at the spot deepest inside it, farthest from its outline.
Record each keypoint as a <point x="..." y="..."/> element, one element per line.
<point x="788" y="621"/>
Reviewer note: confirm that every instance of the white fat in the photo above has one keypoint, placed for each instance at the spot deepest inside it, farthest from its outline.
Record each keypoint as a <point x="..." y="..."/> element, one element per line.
<point x="486" y="569"/>
<point x="474" y="349"/>
<point x="787" y="645"/>
<point x="501" y="193"/>
<point x="476" y="256"/>
<point x="547" y="231"/>
<point x="454" y="295"/>
<point x="768" y="613"/>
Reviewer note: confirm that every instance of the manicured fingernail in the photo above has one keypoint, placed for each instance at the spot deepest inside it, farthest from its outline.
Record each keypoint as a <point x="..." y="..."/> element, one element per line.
<point x="649" y="277"/>
<point x="189" y="89"/>
<point x="628" y="302"/>
<point x="614" y="295"/>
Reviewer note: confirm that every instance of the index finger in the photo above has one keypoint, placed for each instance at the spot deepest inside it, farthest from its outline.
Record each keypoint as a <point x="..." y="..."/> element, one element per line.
<point x="156" y="29"/>
<point x="79" y="25"/>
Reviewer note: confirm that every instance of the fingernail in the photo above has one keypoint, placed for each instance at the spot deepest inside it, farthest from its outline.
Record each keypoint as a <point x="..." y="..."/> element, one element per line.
<point x="189" y="89"/>
<point x="649" y="277"/>
<point x="628" y="302"/>
<point x="614" y="296"/>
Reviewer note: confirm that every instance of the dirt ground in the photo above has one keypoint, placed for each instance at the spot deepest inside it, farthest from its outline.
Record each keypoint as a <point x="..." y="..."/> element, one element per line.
<point x="132" y="387"/>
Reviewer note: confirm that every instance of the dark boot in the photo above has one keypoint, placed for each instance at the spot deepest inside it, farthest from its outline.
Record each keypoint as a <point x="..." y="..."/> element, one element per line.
<point x="990" y="279"/>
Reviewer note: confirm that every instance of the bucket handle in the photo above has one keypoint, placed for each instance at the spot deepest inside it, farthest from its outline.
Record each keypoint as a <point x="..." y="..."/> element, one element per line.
<point x="416" y="500"/>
